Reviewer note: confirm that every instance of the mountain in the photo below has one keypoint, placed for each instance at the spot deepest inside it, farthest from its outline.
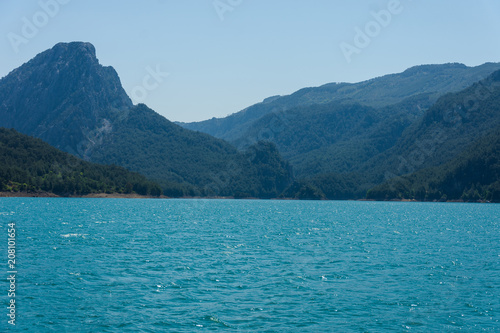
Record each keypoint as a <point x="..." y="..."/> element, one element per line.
<point x="65" y="97"/>
<point x="335" y="137"/>
<point x="431" y="80"/>
<point x="456" y="122"/>
<point x="31" y="165"/>
<point x="446" y="129"/>
<point x="374" y="130"/>
<point x="451" y="150"/>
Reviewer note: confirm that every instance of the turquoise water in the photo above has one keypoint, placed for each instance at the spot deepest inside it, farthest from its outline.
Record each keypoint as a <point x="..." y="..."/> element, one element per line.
<point x="113" y="265"/>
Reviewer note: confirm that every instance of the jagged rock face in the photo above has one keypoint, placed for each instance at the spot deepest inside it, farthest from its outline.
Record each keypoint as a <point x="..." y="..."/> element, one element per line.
<point x="65" y="97"/>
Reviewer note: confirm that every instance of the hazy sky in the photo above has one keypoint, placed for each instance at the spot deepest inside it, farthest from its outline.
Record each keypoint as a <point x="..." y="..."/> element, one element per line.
<point x="222" y="56"/>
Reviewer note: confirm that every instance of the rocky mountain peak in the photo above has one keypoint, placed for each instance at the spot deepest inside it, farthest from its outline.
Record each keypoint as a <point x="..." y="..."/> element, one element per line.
<point x="64" y="90"/>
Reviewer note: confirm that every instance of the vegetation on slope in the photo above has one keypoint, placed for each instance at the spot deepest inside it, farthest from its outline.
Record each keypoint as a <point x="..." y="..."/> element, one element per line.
<point x="334" y="137"/>
<point x="66" y="98"/>
<point x="473" y="175"/>
<point x="441" y="134"/>
<point x="187" y="163"/>
<point x="342" y="139"/>
<point x="30" y="165"/>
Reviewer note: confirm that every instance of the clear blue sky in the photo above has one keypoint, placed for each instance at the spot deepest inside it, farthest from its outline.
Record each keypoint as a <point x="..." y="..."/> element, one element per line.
<point x="220" y="62"/>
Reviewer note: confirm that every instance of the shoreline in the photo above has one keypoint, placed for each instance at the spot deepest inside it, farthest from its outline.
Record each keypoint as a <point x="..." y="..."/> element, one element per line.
<point x="91" y="195"/>
<point x="138" y="196"/>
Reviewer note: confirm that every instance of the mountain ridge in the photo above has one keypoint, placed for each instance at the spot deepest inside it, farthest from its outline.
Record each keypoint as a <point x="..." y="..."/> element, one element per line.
<point x="434" y="79"/>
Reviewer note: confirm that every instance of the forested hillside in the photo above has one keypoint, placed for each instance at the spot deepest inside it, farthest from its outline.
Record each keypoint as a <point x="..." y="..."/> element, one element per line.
<point x="337" y="141"/>
<point x="334" y="137"/>
<point x="187" y="163"/>
<point x="437" y="137"/>
<point x="473" y="175"/>
<point x="31" y="165"/>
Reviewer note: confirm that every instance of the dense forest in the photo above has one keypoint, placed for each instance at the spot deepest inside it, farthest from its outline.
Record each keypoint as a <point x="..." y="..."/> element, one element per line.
<point x="187" y="163"/>
<point x="30" y="165"/>
<point x="474" y="175"/>
<point x="368" y="147"/>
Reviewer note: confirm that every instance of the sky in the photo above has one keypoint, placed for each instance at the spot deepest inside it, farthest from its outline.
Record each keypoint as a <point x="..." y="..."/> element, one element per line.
<point x="192" y="60"/>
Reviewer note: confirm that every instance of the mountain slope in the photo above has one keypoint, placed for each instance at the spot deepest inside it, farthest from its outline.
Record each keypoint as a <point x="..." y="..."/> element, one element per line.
<point x="445" y="130"/>
<point x="434" y="80"/>
<point x="29" y="164"/>
<point x="148" y="143"/>
<point x="334" y="137"/>
<point x="438" y="136"/>
<point x="63" y="96"/>
<point x="342" y="139"/>
<point x="471" y="176"/>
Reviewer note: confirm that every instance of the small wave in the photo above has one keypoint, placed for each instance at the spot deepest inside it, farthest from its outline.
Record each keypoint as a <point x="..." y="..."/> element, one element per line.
<point x="74" y="235"/>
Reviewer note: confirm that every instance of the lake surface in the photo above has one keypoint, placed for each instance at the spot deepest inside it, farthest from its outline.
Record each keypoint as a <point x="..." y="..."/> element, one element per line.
<point x="118" y="265"/>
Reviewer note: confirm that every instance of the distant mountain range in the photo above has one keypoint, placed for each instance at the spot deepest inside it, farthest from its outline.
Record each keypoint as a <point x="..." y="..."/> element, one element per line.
<point x="413" y="135"/>
<point x="429" y="81"/>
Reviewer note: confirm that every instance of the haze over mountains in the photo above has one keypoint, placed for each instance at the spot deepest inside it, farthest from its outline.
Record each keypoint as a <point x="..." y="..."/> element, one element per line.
<point x="342" y="140"/>
<point x="427" y="81"/>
